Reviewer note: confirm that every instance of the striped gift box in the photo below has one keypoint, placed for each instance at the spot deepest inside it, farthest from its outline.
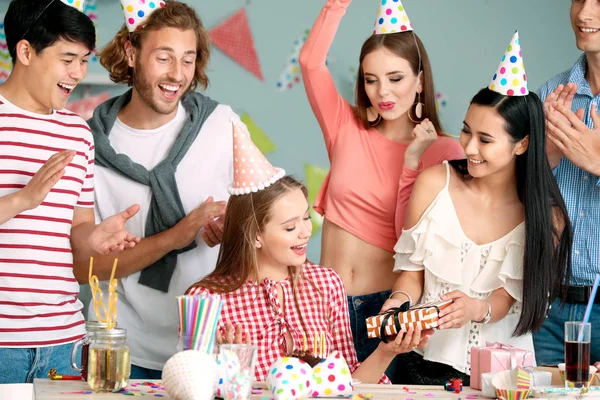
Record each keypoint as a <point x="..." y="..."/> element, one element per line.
<point x="394" y="321"/>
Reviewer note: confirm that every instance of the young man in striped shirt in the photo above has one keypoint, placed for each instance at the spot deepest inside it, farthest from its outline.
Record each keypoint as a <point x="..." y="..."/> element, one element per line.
<point x="46" y="190"/>
<point x="573" y="131"/>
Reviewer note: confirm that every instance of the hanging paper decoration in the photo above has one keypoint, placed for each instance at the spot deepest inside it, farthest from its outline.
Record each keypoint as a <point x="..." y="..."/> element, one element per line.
<point x="291" y="74"/>
<point x="89" y="9"/>
<point x="5" y="60"/>
<point x="234" y="38"/>
<point x="440" y="100"/>
<point x="258" y="136"/>
<point x="315" y="176"/>
<point x="85" y="107"/>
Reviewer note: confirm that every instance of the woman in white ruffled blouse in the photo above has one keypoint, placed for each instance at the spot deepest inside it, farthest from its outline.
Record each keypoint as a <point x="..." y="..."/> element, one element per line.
<point x="490" y="232"/>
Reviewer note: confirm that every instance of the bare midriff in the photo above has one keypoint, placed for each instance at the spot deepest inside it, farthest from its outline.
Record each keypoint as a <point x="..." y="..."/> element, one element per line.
<point x="364" y="268"/>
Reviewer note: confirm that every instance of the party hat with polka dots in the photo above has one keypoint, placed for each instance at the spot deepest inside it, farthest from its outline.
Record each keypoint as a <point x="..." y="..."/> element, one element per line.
<point x="137" y="12"/>
<point x="510" y="78"/>
<point x="78" y="4"/>
<point x="251" y="169"/>
<point x="391" y="18"/>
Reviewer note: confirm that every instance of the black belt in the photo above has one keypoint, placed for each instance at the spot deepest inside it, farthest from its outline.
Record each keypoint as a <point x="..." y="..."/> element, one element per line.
<point x="581" y="294"/>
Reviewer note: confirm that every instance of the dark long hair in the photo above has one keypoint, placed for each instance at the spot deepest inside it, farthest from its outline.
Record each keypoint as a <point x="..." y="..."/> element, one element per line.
<point x="404" y="45"/>
<point x="547" y="258"/>
<point x="43" y="22"/>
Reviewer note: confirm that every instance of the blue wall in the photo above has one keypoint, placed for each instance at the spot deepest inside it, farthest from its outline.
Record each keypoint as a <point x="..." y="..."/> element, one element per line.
<point x="465" y="40"/>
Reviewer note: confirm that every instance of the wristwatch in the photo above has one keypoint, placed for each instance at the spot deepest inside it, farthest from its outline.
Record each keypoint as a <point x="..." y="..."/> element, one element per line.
<point x="488" y="316"/>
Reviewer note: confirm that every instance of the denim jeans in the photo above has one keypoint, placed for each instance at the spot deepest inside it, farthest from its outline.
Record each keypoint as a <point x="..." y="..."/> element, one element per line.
<point x="549" y="340"/>
<point x="144" y="373"/>
<point x="22" y="365"/>
<point x="361" y="308"/>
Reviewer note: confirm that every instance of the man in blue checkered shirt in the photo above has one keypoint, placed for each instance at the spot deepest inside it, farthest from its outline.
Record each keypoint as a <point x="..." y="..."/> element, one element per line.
<point x="573" y="132"/>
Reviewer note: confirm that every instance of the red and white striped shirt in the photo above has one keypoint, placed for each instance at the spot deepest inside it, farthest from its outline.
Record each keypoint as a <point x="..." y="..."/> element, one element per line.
<point x="322" y="302"/>
<point x="38" y="291"/>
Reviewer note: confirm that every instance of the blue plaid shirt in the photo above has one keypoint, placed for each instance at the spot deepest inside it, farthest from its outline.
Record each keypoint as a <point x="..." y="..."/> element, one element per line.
<point x="580" y="189"/>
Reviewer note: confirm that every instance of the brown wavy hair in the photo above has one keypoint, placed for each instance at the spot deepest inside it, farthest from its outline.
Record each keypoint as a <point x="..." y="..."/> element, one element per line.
<point x="174" y="14"/>
<point x="245" y="216"/>
<point x="404" y="45"/>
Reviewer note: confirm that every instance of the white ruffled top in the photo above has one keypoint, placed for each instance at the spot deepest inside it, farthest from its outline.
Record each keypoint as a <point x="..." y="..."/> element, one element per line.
<point x="451" y="261"/>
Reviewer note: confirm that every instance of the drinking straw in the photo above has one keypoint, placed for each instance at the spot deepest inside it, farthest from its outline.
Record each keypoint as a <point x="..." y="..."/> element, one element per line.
<point x="588" y="309"/>
<point x="214" y="310"/>
<point x="213" y="330"/>
<point x="194" y="321"/>
<point x="198" y="316"/>
<point x="198" y="322"/>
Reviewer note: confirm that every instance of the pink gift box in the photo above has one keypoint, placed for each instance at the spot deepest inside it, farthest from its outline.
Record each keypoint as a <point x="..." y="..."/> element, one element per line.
<point x="496" y="357"/>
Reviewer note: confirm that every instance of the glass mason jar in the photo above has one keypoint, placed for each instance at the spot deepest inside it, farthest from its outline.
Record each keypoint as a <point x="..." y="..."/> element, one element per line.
<point x="109" y="364"/>
<point x="84" y="343"/>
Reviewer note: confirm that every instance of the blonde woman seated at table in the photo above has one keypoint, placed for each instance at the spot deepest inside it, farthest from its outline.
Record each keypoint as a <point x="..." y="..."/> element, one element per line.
<point x="272" y="296"/>
<point x="490" y="232"/>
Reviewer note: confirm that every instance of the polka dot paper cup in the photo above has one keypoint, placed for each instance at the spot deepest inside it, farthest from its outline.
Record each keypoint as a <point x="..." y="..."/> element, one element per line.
<point x="290" y="378"/>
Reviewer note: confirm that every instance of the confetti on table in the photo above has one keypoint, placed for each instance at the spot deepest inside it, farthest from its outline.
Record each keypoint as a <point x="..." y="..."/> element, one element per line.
<point x="80" y="392"/>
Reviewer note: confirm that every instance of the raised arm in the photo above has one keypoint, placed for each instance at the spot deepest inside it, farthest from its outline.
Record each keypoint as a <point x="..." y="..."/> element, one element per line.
<point x="329" y="107"/>
<point x="33" y="194"/>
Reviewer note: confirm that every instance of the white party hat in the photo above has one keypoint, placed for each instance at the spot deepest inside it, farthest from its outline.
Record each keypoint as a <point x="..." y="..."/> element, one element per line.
<point x="78" y="4"/>
<point x="136" y="12"/>
<point x="510" y="78"/>
<point x="392" y="18"/>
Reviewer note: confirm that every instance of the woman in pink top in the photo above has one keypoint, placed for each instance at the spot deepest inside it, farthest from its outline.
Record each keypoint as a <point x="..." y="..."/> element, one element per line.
<point x="373" y="164"/>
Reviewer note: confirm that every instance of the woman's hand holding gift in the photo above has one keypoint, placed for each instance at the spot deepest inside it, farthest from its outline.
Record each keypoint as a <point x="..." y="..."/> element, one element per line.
<point x="462" y="310"/>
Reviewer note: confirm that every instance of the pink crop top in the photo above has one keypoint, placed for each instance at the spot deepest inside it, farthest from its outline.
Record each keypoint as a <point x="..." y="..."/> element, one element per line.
<point x="368" y="187"/>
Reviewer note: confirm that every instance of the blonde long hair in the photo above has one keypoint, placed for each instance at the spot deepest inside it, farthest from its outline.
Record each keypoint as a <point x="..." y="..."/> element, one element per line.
<point x="245" y="218"/>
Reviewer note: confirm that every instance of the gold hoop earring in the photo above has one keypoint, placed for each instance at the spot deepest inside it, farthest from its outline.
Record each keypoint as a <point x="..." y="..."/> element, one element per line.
<point x="415" y="112"/>
<point x="376" y="121"/>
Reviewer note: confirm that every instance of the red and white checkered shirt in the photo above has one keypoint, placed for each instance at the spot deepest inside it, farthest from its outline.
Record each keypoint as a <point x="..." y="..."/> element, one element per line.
<point x="321" y="301"/>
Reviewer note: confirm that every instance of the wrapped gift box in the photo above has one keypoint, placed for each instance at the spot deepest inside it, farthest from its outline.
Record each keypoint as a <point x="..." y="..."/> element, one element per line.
<point x="496" y="357"/>
<point x="393" y="321"/>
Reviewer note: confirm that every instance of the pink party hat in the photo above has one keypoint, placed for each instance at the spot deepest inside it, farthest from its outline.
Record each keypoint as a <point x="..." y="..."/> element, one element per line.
<point x="252" y="171"/>
<point x="78" y="4"/>
<point x="392" y="18"/>
<point x="510" y="78"/>
<point x="137" y="11"/>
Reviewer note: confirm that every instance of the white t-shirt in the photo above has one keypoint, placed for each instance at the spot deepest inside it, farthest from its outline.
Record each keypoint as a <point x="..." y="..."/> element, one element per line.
<point x="150" y="316"/>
